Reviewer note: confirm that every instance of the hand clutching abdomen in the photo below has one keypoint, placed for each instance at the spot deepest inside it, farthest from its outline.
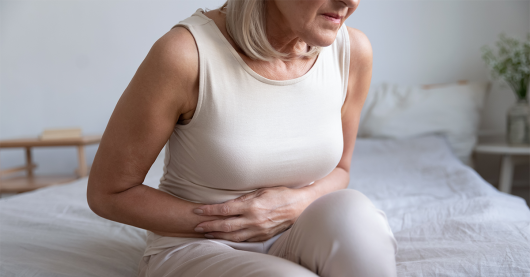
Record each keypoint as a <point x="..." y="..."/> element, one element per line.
<point x="254" y="217"/>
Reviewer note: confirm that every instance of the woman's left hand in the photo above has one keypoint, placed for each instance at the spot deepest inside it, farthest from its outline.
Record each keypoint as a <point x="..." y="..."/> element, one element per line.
<point x="256" y="216"/>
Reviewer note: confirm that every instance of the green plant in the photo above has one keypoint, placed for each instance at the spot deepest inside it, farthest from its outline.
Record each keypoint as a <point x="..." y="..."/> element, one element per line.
<point x="512" y="63"/>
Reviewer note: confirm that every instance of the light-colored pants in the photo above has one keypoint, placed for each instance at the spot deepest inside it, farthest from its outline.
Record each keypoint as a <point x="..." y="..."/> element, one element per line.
<point x="339" y="234"/>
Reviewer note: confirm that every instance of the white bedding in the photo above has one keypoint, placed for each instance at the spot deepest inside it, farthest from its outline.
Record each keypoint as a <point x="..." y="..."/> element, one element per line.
<point x="446" y="219"/>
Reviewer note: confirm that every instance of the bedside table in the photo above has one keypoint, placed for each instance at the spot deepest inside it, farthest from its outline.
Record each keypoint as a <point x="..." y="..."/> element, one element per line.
<point x="510" y="156"/>
<point x="30" y="182"/>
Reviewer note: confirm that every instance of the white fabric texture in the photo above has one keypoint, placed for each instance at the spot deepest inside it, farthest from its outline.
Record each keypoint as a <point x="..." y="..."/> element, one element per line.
<point x="402" y="111"/>
<point x="446" y="219"/>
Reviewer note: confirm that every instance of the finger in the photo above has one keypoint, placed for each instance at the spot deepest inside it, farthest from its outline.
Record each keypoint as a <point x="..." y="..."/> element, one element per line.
<point x="224" y="209"/>
<point x="247" y="196"/>
<point x="224" y="225"/>
<point x="237" y="236"/>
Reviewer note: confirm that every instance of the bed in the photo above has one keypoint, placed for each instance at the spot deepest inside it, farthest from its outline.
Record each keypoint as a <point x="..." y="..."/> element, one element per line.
<point x="447" y="220"/>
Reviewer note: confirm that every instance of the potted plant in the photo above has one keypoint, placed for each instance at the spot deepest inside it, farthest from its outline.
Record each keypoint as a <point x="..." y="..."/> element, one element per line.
<point x="512" y="64"/>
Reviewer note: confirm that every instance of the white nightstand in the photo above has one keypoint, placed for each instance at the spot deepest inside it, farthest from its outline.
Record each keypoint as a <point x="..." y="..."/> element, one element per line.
<point x="511" y="155"/>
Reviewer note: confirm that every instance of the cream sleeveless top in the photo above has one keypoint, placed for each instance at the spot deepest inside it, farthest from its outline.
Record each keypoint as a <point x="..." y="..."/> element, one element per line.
<point x="250" y="132"/>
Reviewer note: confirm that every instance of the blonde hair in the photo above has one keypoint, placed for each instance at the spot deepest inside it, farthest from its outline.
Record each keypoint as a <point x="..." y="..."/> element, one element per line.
<point x="246" y="22"/>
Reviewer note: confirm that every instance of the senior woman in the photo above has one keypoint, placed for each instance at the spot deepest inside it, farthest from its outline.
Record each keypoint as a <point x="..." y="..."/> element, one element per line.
<point x="258" y="104"/>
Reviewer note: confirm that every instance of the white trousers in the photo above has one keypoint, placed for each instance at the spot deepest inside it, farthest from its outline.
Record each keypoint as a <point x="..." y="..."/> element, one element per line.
<point x="339" y="234"/>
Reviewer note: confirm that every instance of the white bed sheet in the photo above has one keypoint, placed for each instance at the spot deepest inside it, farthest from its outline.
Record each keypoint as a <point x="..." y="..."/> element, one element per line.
<point x="446" y="219"/>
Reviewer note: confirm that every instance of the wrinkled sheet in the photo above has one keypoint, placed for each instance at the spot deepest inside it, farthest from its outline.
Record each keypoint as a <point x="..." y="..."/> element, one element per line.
<point x="52" y="232"/>
<point x="447" y="220"/>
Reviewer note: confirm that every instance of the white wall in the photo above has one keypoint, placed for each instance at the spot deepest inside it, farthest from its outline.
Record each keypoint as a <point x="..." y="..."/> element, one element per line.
<point x="66" y="63"/>
<point x="419" y="42"/>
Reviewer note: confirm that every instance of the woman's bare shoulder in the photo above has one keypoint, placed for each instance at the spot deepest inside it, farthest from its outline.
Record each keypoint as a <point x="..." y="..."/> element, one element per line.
<point x="360" y="50"/>
<point x="174" y="61"/>
<point x="176" y="50"/>
<point x="360" y="71"/>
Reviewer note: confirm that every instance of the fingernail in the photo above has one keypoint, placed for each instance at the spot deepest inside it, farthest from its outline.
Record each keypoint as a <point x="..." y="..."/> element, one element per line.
<point x="209" y="236"/>
<point x="199" y="229"/>
<point x="198" y="211"/>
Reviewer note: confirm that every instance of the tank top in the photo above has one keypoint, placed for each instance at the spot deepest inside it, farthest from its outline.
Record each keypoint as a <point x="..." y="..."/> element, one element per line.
<point x="250" y="132"/>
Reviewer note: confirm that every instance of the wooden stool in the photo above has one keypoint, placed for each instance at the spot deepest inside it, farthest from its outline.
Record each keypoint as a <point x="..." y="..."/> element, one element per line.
<point x="30" y="182"/>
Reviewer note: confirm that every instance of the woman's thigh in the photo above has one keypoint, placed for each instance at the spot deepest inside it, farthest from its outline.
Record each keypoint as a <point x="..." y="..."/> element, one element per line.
<point x="340" y="234"/>
<point x="211" y="259"/>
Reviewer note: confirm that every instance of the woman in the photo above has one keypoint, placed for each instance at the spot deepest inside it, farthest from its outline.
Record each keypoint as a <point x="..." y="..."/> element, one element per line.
<point x="258" y="104"/>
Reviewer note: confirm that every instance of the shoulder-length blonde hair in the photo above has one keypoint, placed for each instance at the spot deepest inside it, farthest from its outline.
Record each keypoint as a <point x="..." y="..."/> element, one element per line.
<point x="246" y="22"/>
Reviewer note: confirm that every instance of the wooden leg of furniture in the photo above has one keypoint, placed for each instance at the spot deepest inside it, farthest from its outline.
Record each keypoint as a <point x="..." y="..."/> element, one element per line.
<point x="29" y="163"/>
<point x="82" y="171"/>
<point x="506" y="175"/>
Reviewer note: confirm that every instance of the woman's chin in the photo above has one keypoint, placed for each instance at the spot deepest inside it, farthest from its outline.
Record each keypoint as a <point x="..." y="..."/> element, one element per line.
<point x="323" y="40"/>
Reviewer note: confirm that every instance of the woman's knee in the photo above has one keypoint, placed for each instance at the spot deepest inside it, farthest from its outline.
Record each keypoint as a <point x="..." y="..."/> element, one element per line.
<point x="345" y="233"/>
<point x="342" y="214"/>
<point x="348" y="197"/>
<point x="341" y="205"/>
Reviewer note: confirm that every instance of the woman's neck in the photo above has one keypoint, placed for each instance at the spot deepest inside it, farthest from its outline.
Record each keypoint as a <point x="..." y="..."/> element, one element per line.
<point x="280" y="35"/>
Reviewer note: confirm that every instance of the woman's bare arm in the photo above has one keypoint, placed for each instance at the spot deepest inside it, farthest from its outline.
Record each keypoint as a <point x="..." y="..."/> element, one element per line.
<point x="164" y="87"/>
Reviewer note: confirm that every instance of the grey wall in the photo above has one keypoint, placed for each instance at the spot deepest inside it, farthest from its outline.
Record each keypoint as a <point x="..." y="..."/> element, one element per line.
<point x="66" y="63"/>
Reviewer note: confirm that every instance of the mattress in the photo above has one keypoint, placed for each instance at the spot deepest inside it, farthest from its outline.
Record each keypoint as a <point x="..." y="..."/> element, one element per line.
<point x="447" y="220"/>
